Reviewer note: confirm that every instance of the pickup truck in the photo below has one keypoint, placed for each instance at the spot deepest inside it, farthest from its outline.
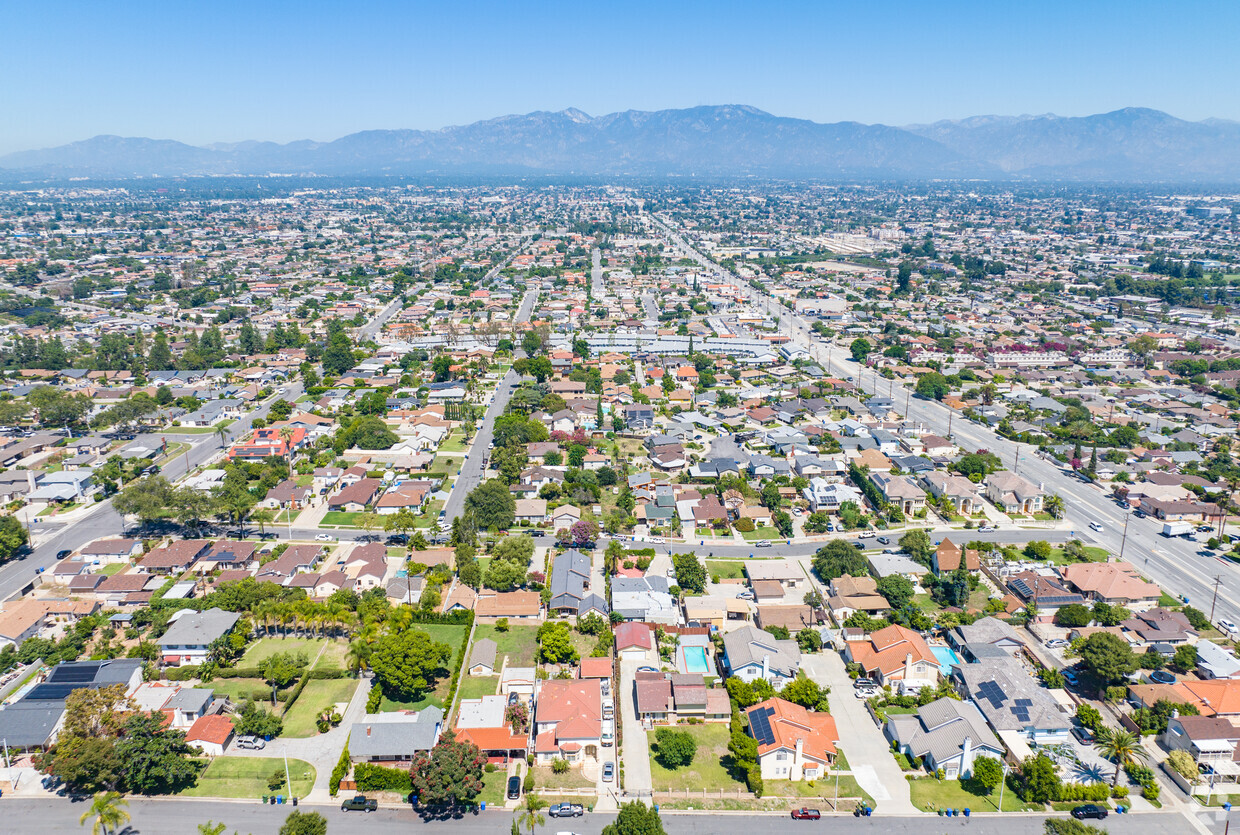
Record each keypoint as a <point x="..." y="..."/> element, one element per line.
<point x="566" y="810"/>
<point x="806" y="814"/>
<point x="359" y="803"/>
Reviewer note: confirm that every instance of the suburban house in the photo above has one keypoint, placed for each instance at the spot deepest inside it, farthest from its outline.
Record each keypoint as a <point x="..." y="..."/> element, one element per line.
<point x="33" y="722"/>
<point x="949" y="557"/>
<point x="210" y="734"/>
<point x="793" y="743"/>
<point x="570" y="586"/>
<point x="1215" y="662"/>
<point x="189" y="637"/>
<point x="395" y="737"/>
<point x="986" y="637"/>
<point x="953" y="488"/>
<point x="481" y="721"/>
<point x="175" y="557"/>
<point x="111" y="550"/>
<point x="896" y="655"/>
<point x="482" y="658"/>
<point x="751" y="653"/>
<point x="356" y="496"/>
<point x="1013" y="701"/>
<point x="673" y="697"/>
<point x="900" y="491"/>
<point x="946" y="734"/>
<point x="644" y="598"/>
<point x="848" y="594"/>
<point x="568" y="720"/>
<point x="1012" y="493"/>
<point x="1211" y="740"/>
<point x="1116" y="583"/>
<point x="531" y="511"/>
<point x="228" y="554"/>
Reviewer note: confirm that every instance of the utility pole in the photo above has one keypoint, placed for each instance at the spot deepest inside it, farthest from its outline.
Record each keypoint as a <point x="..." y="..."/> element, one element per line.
<point x="1218" y="580"/>
<point x="1124" y="541"/>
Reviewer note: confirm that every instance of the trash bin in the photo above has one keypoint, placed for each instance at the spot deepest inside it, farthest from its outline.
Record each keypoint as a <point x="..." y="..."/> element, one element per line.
<point x="966" y="813"/>
<point x="868" y="811"/>
<point x="484" y="805"/>
<point x="279" y="800"/>
<point x="940" y="813"/>
<point x="294" y="801"/>
<point x="264" y="798"/>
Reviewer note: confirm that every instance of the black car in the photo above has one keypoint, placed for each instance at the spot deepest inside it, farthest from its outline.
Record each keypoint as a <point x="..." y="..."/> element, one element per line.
<point x="514" y="787"/>
<point x="1089" y="810"/>
<point x="63" y="552"/>
<point x="359" y="803"/>
<point x="566" y="810"/>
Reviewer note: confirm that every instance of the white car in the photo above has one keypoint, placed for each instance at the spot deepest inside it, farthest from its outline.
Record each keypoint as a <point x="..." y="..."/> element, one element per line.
<point x="323" y="537"/>
<point x="1056" y="643"/>
<point x="986" y="529"/>
<point x="866" y="535"/>
<point x="1095" y="526"/>
<point x="1228" y="627"/>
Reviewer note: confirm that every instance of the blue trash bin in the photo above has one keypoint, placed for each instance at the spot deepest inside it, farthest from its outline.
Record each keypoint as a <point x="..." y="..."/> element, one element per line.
<point x="966" y="813"/>
<point x="484" y="805"/>
<point x="279" y="800"/>
<point x="868" y="811"/>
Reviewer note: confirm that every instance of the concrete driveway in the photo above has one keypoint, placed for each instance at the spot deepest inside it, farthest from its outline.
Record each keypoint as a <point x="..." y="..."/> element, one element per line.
<point x="635" y="749"/>
<point x="867" y="750"/>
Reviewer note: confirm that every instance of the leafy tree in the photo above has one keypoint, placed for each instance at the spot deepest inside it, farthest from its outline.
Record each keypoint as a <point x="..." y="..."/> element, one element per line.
<point x="84" y="764"/>
<point x="555" y="644"/>
<point x="92" y="712"/>
<point x="338" y="355"/>
<point x="253" y="720"/>
<point x="805" y="692"/>
<point x="916" y="543"/>
<point x="809" y="640"/>
<point x="304" y="823"/>
<point x="107" y="813"/>
<point x="1107" y="657"/>
<point x="1196" y="618"/>
<point x="1038" y="779"/>
<point x="690" y="573"/>
<point x="1039" y="549"/>
<point x="493" y="506"/>
<point x="1089" y="716"/>
<point x="837" y="558"/>
<point x="987" y="773"/>
<point x="636" y="818"/>
<point x="860" y="348"/>
<point x="405" y="662"/>
<point x="675" y="749"/>
<point x="1074" y="615"/>
<point x="897" y="589"/>
<point x="933" y="385"/>
<point x="155" y="759"/>
<point x="450" y="773"/>
<point x="281" y="669"/>
<point x="1185" y="658"/>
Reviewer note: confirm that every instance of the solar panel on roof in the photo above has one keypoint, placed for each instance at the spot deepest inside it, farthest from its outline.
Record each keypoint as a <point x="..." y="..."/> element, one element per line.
<point x="1025" y="702"/>
<point x="1021" y="713"/>
<point x="73" y="674"/>
<point x="760" y="726"/>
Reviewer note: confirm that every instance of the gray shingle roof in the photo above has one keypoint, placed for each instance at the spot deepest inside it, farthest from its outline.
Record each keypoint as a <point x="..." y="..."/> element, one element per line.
<point x="939" y="729"/>
<point x="199" y="628"/>
<point x="395" y="735"/>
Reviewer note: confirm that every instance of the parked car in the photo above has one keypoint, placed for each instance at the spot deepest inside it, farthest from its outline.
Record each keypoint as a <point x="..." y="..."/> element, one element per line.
<point x="646" y="670"/>
<point x="256" y="743"/>
<point x="763" y="543"/>
<point x="359" y="803"/>
<point x="806" y="814"/>
<point x="986" y="529"/>
<point x="865" y="535"/>
<point x="745" y="595"/>
<point x="1056" y="643"/>
<point x="64" y="552"/>
<point x="1083" y="735"/>
<point x="514" y="787"/>
<point x="858" y="544"/>
<point x="566" y="810"/>
<point x="1089" y="810"/>
<point x="864" y="682"/>
<point x="1071" y="677"/>
<point x="609" y="771"/>
<point x="323" y="537"/>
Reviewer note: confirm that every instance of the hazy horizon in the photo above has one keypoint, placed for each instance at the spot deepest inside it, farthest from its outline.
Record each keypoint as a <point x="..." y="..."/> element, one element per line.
<point x="228" y="72"/>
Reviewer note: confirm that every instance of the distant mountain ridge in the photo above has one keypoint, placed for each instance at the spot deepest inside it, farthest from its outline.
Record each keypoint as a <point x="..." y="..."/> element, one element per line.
<point x="1133" y="144"/>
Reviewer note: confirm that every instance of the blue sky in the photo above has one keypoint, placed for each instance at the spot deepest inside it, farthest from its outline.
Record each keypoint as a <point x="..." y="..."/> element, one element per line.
<point x="226" y="71"/>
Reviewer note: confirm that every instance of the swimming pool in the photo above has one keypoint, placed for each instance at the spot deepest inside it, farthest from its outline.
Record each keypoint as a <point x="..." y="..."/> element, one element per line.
<point x="696" y="660"/>
<point x="947" y="657"/>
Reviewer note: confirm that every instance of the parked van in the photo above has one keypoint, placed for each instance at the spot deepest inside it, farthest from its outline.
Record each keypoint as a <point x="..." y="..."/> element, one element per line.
<point x="609" y="733"/>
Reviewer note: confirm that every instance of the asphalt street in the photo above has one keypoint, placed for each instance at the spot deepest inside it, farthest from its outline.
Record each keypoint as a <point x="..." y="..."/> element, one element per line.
<point x="1175" y="564"/>
<point x="180" y="817"/>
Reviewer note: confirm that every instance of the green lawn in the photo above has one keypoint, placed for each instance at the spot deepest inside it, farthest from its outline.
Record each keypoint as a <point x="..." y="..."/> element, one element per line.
<point x="493" y="786"/>
<point x="706" y="771"/>
<point x="545" y="778"/>
<point x="1092" y="554"/>
<point x="447" y="464"/>
<point x="340" y="518"/>
<point x="518" y="643"/>
<point x="333" y="657"/>
<point x="109" y="570"/>
<point x="761" y="533"/>
<point x="726" y="569"/>
<point x="929" y="794"/>
<point x="266" y="647"/>
<point x="390" y="705"/>
<point x="318" y="695"/>
<point x="453" y="443"/>
<point x="240" y="689"/>
<point x="450" y="634"/>
<point x="304" y="480"/>
<point x="475" y="687"/>
<point x="824" y="789"/>
<point x="246" y="777"/>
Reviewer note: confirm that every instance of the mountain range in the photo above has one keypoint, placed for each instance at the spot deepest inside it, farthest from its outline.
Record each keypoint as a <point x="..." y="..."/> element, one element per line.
<point x="1129" y="145"/>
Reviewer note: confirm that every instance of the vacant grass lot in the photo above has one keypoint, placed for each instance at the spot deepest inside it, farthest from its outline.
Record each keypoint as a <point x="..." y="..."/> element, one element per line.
<point x="761" y="533"/>
<point x="240" y="689"/>
<point x="707" y="770"/>
<point x="518" y="643"/>
<point x="450" y="634"/>
<point x="266" y="647"/>
<point x="726" y="569"/>
<point x="246" y="777"/>
<point x="317" y="696"/>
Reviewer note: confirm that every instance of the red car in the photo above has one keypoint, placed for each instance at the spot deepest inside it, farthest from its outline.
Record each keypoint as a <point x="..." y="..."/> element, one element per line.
<point x="806" y="814"/>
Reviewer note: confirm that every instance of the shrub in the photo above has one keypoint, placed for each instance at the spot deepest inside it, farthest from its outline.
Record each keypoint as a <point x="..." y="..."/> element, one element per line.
<point x="753" y="780"/>
<point x="744" y="525"/>
<point x="559" y="765"/>
<point x="339" y="772"/>
<point x="1183" y="763"/>
<point x="675" y="748"/>
<point x="1151" y="791"/>
<point x="377" y="778"/>
<point x="528" y="785"/>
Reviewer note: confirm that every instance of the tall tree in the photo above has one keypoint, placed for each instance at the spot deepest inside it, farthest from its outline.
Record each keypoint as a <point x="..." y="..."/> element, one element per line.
<point x="106" y="814"/>
<point x="450" y="773"/>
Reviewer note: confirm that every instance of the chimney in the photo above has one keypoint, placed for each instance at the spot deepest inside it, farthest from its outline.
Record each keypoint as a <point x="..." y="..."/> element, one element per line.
<point x="908" y="667"/>
<point x="966" y="759"/>
<point x="30" y="480"/>
<point x="368" y="731"/>
<point x="800" y="746"/>
<point x="766" y="667"/>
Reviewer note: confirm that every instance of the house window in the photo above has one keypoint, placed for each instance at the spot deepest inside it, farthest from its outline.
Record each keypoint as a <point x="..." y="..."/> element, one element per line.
<point x="781" y="756"/>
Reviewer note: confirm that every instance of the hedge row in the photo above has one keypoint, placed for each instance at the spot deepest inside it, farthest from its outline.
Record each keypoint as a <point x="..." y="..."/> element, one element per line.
<point x="460" y="663"/>
<point x="340" y="771"/>
<point x="1084" y="791"/>
<point x="377" y="778"/>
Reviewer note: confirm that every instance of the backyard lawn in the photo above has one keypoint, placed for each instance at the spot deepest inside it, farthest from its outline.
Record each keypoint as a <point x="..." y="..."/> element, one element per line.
<point x="929" y="794"/>
<point x="246" y="777"/>
<point x="518" y="643"/>
<point x="726" y="569"/>
<point x="240" y="689"/>
<point x="318" y="695"/>
<point x="266" y="647"/>
<point x="453" y="443"/>
<point x="475" y="687"/>
<point x="706" y="771"/>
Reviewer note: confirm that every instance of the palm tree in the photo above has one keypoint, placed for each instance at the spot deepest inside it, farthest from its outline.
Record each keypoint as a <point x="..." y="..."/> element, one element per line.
<point x="221" y="432"/>
<point x="358" y="657"/>
<point x="106" y="813"/>
<point x="1122" y="746"/>
<point x="532" y="816"/>
<point x="262" y="518"/>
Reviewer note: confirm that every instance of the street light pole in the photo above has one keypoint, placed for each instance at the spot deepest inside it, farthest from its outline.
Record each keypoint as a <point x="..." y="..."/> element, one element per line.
<point x="1124" y="541"/>
<point x="1218" y="580"/>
